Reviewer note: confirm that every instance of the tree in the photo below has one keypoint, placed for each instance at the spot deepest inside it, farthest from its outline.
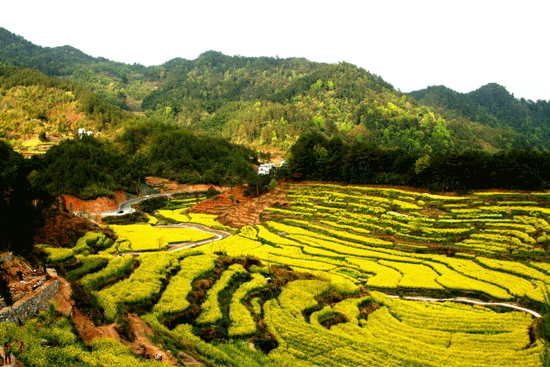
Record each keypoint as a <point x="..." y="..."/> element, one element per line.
<point x="42" y="136"/>
<point x="304" y="158"/>
<point x="421" y="164"/>
<point x="21" y="204"/>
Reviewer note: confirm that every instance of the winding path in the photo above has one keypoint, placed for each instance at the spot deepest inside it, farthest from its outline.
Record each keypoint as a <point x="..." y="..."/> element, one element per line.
<point x="126" y="207"/>
<point x="471" y="301"/>
<point x="218" y="235"/>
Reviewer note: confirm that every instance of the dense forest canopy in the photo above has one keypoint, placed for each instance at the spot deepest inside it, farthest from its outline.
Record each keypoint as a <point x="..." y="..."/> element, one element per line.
<point x="86" y="168"/>
<point x="268" y="102"/>
<point x="179" y="154"/>
<point x="20" y="202"/>
<point x="315" y="157"/>
<point x="89" y="167"/>
<point x="492" y="105"/>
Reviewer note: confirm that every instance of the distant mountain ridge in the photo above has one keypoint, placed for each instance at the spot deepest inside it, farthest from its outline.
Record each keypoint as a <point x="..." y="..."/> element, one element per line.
<point x="266" y="102"/>
<point x="494" y="106"/>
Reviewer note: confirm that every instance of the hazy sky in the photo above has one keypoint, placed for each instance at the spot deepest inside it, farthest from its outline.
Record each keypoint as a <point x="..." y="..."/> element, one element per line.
<point x="411" y="44"/>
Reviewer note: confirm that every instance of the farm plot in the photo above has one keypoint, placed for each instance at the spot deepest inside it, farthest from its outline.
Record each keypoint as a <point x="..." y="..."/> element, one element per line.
<point x="483" y="224"/>
<point x="143" y="237"/>
<point x="399" y="333"/>
<point x="305" y="286"/>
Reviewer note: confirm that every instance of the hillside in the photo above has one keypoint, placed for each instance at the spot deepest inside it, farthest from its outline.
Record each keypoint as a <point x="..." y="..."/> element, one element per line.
<point x="492" y="105"/>
<point x="311" y="273"/>
<point x="335" y="275"/>
<point x="34" y="105"/>
<point x="267" y="102"/>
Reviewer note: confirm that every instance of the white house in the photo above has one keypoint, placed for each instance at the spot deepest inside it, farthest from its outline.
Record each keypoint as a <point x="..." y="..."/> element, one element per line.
<point x="265" y="168"/>
<point x="83" y="131"/>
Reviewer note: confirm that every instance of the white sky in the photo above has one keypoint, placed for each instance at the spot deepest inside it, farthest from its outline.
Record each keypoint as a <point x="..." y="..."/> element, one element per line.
<point x="411" y="44"/>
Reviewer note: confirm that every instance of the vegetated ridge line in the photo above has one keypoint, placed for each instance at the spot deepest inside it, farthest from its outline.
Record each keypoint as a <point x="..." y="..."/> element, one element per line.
<point x="467" y="300"/>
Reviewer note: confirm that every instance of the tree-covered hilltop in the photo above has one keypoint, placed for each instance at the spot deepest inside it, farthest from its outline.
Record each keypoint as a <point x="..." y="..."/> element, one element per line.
<point x="86" y="168"/>
<point x="90" y="167"/>
<point x="32" y="103"/>
<point x="492" y="105"/>
<point x="179" y="154"/>
<point x="107" y="78"/>
<point x="35" y="104"/>
<point x="269" y="102"/>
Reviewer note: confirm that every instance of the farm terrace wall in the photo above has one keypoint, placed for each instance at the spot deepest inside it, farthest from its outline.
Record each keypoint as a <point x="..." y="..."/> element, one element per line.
<point x="34" y="302"/>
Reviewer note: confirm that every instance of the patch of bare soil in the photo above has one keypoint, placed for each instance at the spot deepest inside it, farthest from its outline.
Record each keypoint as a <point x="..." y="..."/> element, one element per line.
<point x="85" y="326"/>
<point x="236" y="210"/>
<point x="167" y="186"/>
<point x="142" y="344"/>
<point x="133" y="104"/>
<point x="98" y="205"/>
<point x="141" y="333"/>
<point x="219" y="204"/>
<point x="432" y="212"/>
<point x="88" y="331"/>
<point x="63" y="298"/>
<point x="21" y="278"/>
<point x="64" y="229"/>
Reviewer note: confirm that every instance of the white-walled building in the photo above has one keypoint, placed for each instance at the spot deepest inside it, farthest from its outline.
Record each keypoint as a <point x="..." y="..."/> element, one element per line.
<point x="265" y="168"/>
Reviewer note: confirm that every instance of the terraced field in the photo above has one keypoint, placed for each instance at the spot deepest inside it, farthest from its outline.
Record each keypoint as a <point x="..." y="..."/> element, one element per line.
<point x="309" y="286"/>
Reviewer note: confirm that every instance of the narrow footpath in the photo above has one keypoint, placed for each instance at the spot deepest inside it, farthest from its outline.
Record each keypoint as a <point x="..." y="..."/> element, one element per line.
<point x="218" y="235"/>
<point x="471" y="301"/>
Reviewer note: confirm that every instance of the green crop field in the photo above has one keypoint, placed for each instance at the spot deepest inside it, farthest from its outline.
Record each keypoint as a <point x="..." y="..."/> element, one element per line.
<point x="311" y="285"/>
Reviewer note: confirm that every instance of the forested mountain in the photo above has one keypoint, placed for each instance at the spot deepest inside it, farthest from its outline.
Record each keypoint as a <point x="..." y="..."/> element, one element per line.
<point x="267" y="102"/>
<point x="32" y="103"/>
<point x="492" y="105"/>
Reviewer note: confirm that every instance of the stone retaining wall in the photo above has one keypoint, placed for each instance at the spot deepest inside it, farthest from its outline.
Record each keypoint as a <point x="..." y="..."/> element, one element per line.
<point x="32" y="303"/>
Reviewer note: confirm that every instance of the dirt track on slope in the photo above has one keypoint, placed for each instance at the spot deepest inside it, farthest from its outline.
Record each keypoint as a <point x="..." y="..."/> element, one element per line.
<point x="470" y="301"/>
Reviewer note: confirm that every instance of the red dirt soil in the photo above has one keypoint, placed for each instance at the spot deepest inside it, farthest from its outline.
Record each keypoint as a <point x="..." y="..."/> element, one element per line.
<point x="105" y="204"/>
<point x="102" y="204"/>
<point x="219" y="204"/>
<point x="167" y="186"/>
<point x="64" y="229"/>
<point x="141" y="344"/>
<point x="242" y="210"/>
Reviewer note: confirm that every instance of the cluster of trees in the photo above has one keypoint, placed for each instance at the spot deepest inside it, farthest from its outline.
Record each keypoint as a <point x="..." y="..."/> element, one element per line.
<point x="270" y="104"/>
<point x="33" y="102"/>
<point x="113" y="81"/>
<point x="89" y="167"/>
<point x="21" y="204"/>
<point x="178" y="154"/>
<point x="315" y="157"/>
<point x="86" y="168"/>
<point x="492" y="105"/>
